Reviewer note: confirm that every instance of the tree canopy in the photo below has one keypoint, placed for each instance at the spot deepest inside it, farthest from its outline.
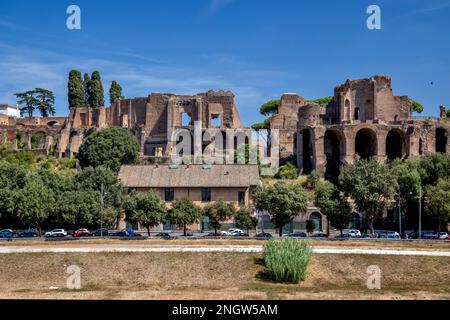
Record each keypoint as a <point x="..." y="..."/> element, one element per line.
<point x="96" y="93"/>
<point x="183" y="213"/>
<point x="145" y="208"/>
<point x="76" y="90"/>
<point x="417" y="106"/>
<point x="437" y="201"/>
<point x="283" y="201"/>
<point x="371" y="185"/>
<point x="115" y="92"/>
<point x="218" y="212"/>
<point x="244" y="219"/>
<point x="111" y="147"/>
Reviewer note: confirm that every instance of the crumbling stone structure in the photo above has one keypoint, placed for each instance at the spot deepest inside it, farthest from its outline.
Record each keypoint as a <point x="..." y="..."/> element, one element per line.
<point x="363" y="120"/>
<point x="151" y="119"/>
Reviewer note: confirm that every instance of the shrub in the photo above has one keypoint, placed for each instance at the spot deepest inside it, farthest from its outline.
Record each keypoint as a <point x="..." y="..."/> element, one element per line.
<point x="312" y="180"/>
<point x="287" y="260"/>
<point x="288" y="171"/>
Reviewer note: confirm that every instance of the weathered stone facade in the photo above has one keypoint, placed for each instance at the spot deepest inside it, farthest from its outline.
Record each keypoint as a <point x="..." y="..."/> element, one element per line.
<point x="363" y="120"/>
<point x="151" y="119"/>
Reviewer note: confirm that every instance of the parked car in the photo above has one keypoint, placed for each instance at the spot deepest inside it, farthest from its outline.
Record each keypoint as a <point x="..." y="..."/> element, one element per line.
<point x="7" y="233"/>
<point x="123" y="233"/>
<point x="215" y="234"/>
<point x="235" y="232"/>
<point x="57" y="233"/>
<point x="298" y="235"/>
<point x="98" y="233"/>
<point x="83" y="233"/>
<point x="244" y="235"/>
<point x="389" y="235"/>
<point x="442" y="235"/>
<point x="354" y="233"/>
<point x="319" y="235"/>
<point x="30" y="233"/>
<point x="263" y="235"/>
<point x="163" y="235"/>
<point x="344" y="236"/>
<point x="225" y="233"/>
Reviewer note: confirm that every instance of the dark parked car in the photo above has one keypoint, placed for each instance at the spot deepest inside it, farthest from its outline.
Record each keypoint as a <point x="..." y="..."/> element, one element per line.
<point x="344" y="236"/>
<point x="319" y="235"/>
<point x="98" y="233"/>
<point x="163" y="235"/>
<point x="30" y="233"/>
<point x="7" y="233"/>
<point x="242" y="235"/>
<point x="214" y="235"/>
<point x="123" y="233"/>
<point x="263" y="235"/>
<point x="298" y="235"/>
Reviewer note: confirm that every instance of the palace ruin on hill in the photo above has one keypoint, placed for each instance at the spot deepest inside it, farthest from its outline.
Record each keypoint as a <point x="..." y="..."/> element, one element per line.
<point x="364" y="119"/>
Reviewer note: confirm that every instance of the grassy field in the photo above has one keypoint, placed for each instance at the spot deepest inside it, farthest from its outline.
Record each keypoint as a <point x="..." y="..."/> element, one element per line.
<point x="217" y="276"/>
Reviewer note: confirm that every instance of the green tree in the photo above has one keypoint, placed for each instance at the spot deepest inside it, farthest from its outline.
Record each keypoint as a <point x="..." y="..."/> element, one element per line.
<point x="448" y="113"/>
<point x="333" y="205"/>
<point x="76" y="90"/>
<point x="371" y="186"/>
<point x="45" y="102"/>
<point x="87" y="89"/>
<point x="325" y="100"/>
<point x="115" y="92"/>
<point x="28" y="100"/>
<point x="183" y="213"/>
<point x="417" y="106"/>
<point x="265" y="125"/>
<point x="218" y="212"/>
<point x="283" y="201"/>
<point x="34" y="202"/>
<point x="244" y="219"/>
<point x="270" y="107"/>
<point x="146" y="209"/>
<point x="287" y="171"/>
<point x="312" y="180"/>
<point x="96" y="179"/>
<point x="437" y="201"/>
<point x="434" y="167"/>
<point x="80" y="208"/>
<point x="111" y="147"/>
<point x="97" y="96"/>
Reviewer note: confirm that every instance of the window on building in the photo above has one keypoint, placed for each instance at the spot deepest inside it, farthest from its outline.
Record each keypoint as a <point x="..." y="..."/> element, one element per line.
<point x="206" y="194"/>
<point x="356" y="114"/>
<point x="168" y="194"/>
<point x="241" y="198"/>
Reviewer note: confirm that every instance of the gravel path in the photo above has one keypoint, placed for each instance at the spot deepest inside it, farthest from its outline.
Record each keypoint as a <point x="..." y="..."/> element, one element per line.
<point x="237" y="249"/>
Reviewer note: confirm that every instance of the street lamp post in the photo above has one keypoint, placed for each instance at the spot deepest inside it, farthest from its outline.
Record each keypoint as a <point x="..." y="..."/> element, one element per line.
<point x="420" y="213"/>
<point x="399" y="212"/>
<point x="101" y="212"/>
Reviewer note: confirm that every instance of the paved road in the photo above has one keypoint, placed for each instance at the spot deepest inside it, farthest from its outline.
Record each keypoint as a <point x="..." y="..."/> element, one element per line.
<point x="237" y="249"/>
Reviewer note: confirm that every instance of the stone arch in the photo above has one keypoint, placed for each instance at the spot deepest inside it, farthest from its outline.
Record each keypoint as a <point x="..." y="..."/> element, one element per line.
<point x="395" y="144"/>
<point x="334" y="150"/>
<point x="307" y="151"/>
<point x="441" y="140"/>
<point x="38" y="139"/>
<point x="366" y="143"/>
<point x="53" y="124"/>
<point x="316" y="217"/>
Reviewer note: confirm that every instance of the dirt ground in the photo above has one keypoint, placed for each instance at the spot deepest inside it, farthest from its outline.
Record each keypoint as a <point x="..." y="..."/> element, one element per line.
<point x="217" y="276"/>
<point x="425" y="245"/>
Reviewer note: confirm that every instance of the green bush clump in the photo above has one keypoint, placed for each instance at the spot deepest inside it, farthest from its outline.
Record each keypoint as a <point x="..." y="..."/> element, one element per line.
<point x="287" y="260"/>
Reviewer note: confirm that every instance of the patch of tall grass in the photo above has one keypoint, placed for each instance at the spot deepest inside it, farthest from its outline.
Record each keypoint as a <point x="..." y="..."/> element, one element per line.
<point x="287" y="260"/>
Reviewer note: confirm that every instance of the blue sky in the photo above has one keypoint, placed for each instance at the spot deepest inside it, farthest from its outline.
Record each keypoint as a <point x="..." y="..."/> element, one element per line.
<point x="259" y="49"/>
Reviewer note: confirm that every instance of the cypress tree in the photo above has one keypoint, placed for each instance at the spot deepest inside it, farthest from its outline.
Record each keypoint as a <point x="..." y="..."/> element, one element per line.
<point x="115" y="92"/>
<point x="87" y="89"/>
<point x="75" y="90"/>
<point x="97" y="98"/>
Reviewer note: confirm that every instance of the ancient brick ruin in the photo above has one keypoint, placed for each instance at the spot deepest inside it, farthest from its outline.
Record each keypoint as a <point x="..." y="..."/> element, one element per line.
<point x="151" y="119"/>
<point x="363" y="120"/>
